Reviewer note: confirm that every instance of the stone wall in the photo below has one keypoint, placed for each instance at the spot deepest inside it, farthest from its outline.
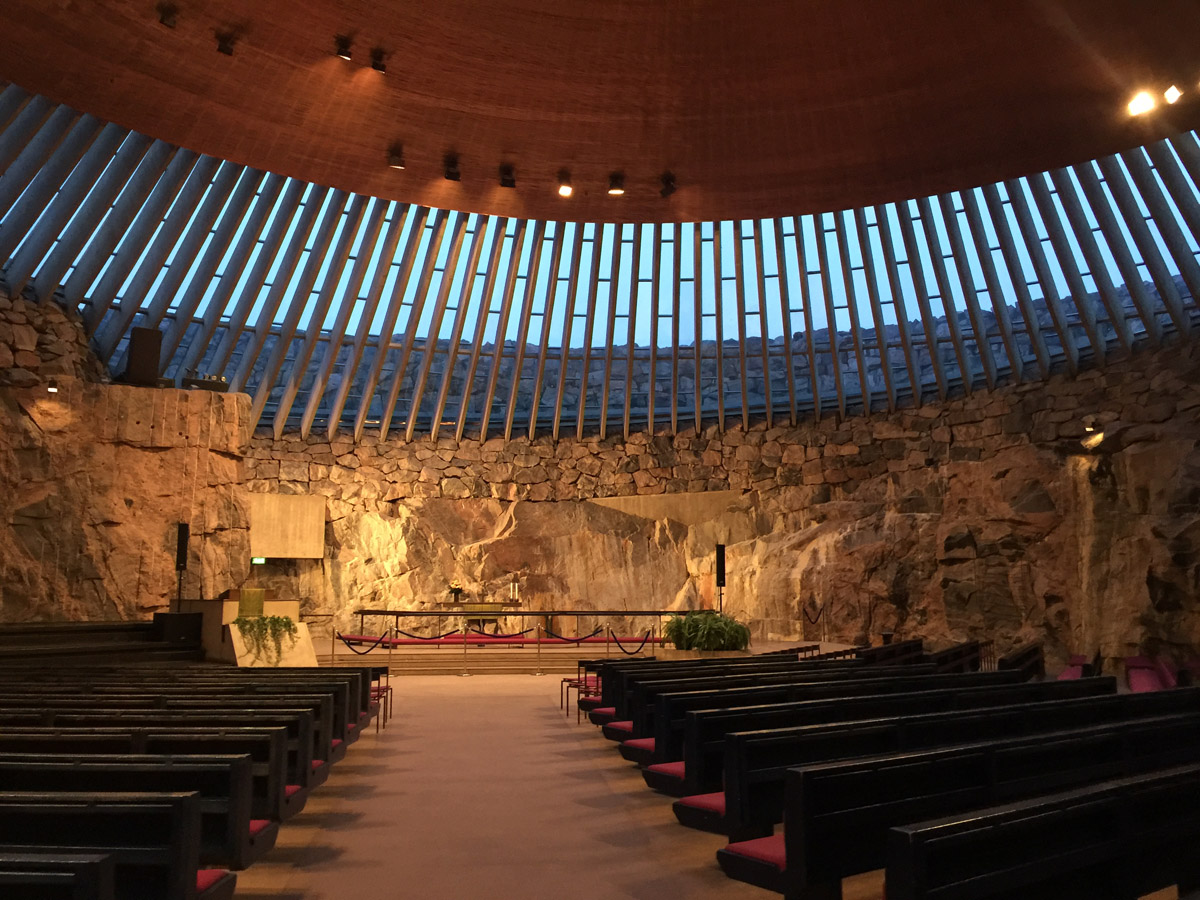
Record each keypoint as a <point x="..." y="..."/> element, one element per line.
<point x="42" y="342"/>
<point x="95" y="479"/>
<point x="984" y="516"/>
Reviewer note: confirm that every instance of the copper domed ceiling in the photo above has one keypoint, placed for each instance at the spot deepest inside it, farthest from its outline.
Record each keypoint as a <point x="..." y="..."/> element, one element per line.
<point x="759" y="108"/>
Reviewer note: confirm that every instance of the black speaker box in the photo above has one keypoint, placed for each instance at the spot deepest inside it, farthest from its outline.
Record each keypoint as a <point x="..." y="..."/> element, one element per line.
<point x="720" y="565"/>
<point x="145" y="348"/>
<point x="181" y="548"/>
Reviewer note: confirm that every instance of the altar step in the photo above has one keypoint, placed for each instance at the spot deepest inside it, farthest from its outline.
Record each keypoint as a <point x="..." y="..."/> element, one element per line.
<point x="479" y="660"/>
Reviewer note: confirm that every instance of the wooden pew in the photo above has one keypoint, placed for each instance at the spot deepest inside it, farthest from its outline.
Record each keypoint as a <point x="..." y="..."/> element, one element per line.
<point x="642" y="696"/>
<point x="756" y="762"/>
<point x="671" y="708"/>
<point x="49" y="876"/>
<point x="706" y="731"/>
<point x="1115" y="841"/>
<point x="229" y="836"/>
<point x="1028" y="659"/>
<point x="153" y="839"/>
<point x="838" y="814"/>
<point x="272" y="796"/>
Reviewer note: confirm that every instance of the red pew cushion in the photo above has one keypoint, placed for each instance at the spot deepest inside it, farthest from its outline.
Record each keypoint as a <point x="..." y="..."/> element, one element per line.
<point x="714" y="802"/>
<point x="770" y="850"/>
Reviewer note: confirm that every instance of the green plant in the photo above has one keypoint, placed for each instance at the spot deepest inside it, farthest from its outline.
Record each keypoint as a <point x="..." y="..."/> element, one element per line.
<point x="706" y="630"/>
<point x="264" y="635"/>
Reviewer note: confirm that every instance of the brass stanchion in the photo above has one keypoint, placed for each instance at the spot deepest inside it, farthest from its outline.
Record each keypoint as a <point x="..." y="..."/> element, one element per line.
<point x="465" y="673"/>
<point x="607" y="641"/>
<point x="391" y="644"/>
<point x="537" y="633"/>
<point x="332" y="640"/>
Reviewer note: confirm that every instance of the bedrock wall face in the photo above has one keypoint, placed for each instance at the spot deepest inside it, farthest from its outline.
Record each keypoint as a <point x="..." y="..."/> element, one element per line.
<point x="984" y="516"/>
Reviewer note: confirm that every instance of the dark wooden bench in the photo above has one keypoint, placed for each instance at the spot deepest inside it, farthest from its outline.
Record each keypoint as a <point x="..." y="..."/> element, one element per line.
<point x="229" y="835"/>
<point x="756" y="762"/>
<point x="838" y="814"/>
<point x="965" y="657"/>
<point x="671" y="709"/>
<point x="1028" y="659"/>
<point x="153" y="839"/>
<point x="272" y="797"/>
<point x="706" y="745"/>
<point x="51" y="876"/>
<point x="1116" y="841"/>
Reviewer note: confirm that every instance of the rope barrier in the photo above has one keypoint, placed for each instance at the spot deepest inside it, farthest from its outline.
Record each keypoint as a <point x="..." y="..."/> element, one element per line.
<point x="417" y="637"/>
<point x="353" y="649"/>
<point x="621" y="646"/>
<point x="485" y="634"/>
<point x="559" y="637"/>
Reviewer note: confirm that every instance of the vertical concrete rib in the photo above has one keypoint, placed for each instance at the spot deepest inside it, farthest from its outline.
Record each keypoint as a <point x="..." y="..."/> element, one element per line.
<point x="1067" y="264"/>
<point x="1033" y="246"/>
<point x="655" y="266"/>
<point x="150" y="265"/>
<point x="739" y="288"/>
<point x="385" y="255"/>
<point x="764" y="330"/>
<point x="461" y="312"/>
<point x="589" y="322"/>
<point x="698" y="304"/>
<point x="916" y="271"/>
<point x="785" y="316"/>
<point x="835" y="350"/>
<point x="510" y="285"/>
<point x="568" y="321"/>
<point x="547" y="318"/>
<point x="1016" y="276"/>
<point x="635" y="282"/>
<point x="810" y="348"/>
<point x="871" y="277"/>
<point x="489" y="281"/>
<point x="30" y="144"/>
<point x="136" y="195"/>
<point x="962" y="263"/>
<point x="983" y="252"/>
<point x="527" y="301"/>
<point x="435" y="326"/>
<point x="676" y="312"/>
<point x="937" y="258"/>
<point x="614" y="284"/>
<point x="201" y="276"/>
<point x="84" y="224"/>
<point x="719" y="324"/>
<point x="864" y="378"/>
<point x="887" y="244"/>
<point x="420" y="296"/>
<point x="331" y="289"/>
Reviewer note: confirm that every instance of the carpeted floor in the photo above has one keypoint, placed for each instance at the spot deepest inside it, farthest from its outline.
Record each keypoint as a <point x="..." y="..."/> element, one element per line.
<point x="482" y="788"/>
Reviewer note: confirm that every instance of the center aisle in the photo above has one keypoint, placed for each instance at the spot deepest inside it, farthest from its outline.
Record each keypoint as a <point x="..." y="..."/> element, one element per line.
<point x="482" y="789"/>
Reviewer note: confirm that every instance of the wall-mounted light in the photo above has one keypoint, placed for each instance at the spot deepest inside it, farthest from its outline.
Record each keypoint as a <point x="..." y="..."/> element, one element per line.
<point x="564" y="183"/>
<point x="450" y="169"/>
<point x="258" y="560"/>
<point x="616" y="184"/>
<point x="1142" y="102"/>
<point x="52" y="386"/>
<point x="377" y="60"/>
<point x="396" y="156"/>
<point x="341" y="46"/>
<point x="508" y="177"/>
<point x="668" y="185"/>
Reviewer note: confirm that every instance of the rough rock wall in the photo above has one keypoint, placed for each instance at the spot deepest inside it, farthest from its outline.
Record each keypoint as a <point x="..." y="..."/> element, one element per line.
<point x="40" y="342"/>
<point x="94" y="479"/>
<point x="984" y="516"/>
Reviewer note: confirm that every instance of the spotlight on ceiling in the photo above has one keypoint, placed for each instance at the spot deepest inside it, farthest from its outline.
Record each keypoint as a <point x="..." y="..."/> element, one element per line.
<point x="616" y="184"/>
<point x="225" y="42"/>
<point x="341" y="44"/>
<point x="1142" y="102"/>
<point x="450" y="167"/>
<point x="508" y="178"/>
<point x="396" y="156"/>
<point x="668" y="184"/>
<point x="168" y="14"/>
<point x="1172" y="94"/>
<point x="52" y="387"/>
<point x="377" y="61"/>
<point x="564" y="183"/>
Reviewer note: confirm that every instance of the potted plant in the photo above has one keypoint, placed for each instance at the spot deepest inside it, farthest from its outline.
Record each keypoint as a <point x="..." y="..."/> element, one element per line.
<point x="706" y="631"/>
<point x="264" y="635"/>
<point x="456" y="590"/>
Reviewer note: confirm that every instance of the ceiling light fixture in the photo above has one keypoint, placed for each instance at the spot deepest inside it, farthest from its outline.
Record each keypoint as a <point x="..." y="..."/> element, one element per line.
<point x="225" y="42"/>
<point x="450" y="167"/>
<point x="377" y="61"/>
<point x="1172" y="94"/>
<point x="668" y="185"/>
<point x="508" y="178"/>
<point x="341" y="45"/>
<point x="616" y="184"/>
<point x="564" y="183"/>
<point x="1142" y="102"/>
<point x="167" y="14"/>
<point x="396" y="156"/>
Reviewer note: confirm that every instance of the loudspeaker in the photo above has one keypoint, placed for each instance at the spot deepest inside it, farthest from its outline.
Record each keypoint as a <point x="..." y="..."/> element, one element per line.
<point x="720" y="565"/>
<point x="145" y="348"/>
<point x="181" y="547"/>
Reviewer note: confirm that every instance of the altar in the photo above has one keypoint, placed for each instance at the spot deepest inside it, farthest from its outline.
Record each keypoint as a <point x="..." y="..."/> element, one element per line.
<point x="479" y="612"/>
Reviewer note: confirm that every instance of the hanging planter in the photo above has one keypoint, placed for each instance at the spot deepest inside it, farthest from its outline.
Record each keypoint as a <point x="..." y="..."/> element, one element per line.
<point x="264" y="636"/>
